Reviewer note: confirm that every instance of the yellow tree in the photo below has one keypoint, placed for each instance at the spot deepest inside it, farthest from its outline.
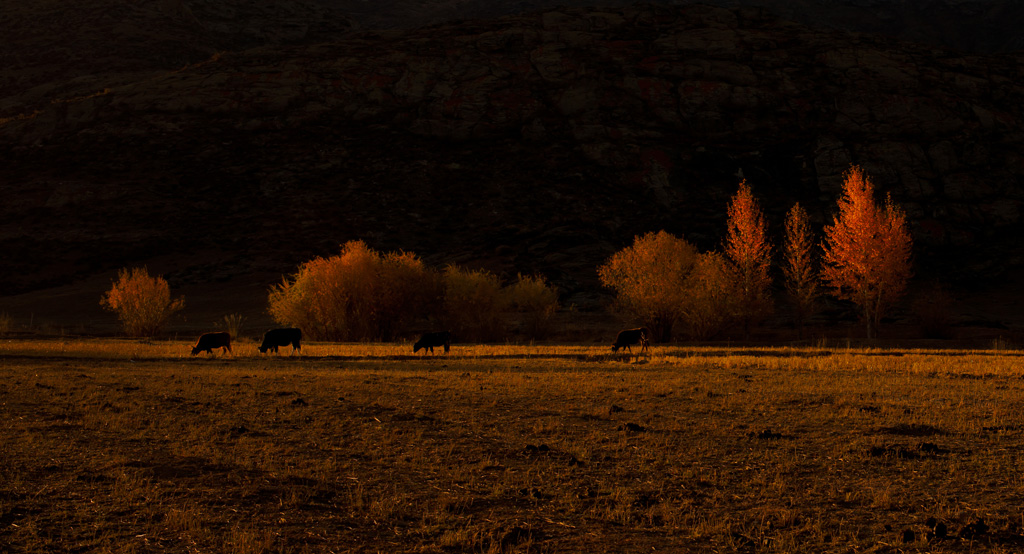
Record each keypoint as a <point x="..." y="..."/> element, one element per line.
<point x="142" y="303"/>
<point x="748" y="248"/>
<point x="360" y="294"/>
<point x="650" y="279"/>
<point x="867" y="250"/>
<point x="798" y="266"/>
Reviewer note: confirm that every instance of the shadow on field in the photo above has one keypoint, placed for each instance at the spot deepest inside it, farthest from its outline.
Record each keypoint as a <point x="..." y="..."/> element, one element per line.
<point x="608" y="357"/>
<point x="404" y="357"/>
<point x="663" y="351"/>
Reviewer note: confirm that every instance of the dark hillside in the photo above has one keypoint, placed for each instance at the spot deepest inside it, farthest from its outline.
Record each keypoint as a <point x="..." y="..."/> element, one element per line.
<point x="532" y="143"/>
<point x="981" y="26"/>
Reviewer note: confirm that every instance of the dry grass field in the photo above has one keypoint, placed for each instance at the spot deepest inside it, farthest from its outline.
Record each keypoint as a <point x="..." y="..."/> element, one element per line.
<point x="125" y="446"/>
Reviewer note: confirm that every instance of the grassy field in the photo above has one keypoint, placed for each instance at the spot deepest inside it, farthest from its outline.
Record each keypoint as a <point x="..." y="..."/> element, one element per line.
<point x="127" y="446"/>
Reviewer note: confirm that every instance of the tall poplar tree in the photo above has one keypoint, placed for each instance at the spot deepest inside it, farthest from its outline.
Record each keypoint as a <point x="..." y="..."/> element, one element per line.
<point x="750" y="252"/>
<point x="867" y="250"/>
<point x="798" y="266"/>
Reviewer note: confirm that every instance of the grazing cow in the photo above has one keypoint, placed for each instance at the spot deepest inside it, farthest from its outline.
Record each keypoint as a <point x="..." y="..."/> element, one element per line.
<point x="629" y="337"/>
<point x="274" y="338"/>
<point x="209" y="341"/>
<point x="430" y="340"/>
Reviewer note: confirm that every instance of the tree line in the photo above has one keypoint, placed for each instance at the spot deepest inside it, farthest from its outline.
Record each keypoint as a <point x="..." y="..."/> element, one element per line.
<point x="661" y="281"/>
<point x="865" y="257"/>
<point x="361" y="294"/>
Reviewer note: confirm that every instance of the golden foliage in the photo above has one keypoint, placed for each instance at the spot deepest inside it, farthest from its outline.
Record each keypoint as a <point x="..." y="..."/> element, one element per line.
<point x="661" y="280"/>
<point x="650" y="279"/>
<point x="362" y="294"/>
<point x="713" y="297"/>
<point x="798" y="265"/>
<point x="867" y="250"/>
<point x="536" y="300"/>
<point x="747" y="246"/>
<point x="473" y="304"/>
<point x="359" y="294"/>
<point x="142" y="303"/>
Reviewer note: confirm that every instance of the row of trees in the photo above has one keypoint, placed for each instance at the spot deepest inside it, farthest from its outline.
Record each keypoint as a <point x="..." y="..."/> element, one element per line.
<point x="662" y="280"/>
<point x="362" y="294"/>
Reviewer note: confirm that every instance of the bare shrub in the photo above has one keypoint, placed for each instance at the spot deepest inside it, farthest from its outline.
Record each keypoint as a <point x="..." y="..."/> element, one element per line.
<point x="359" y="294"/>
<point x="473" y="304"/>
<point x="232" y="324"/>
<point x="142" y="303"/>
<point x="536" y="300"/>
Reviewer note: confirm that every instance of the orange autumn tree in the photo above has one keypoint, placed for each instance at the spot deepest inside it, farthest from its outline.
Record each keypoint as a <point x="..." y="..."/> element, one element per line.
<point x="142" y="303"/>
<point x="650" y="279"/>
<point x="750" y="252"/>
<point x="866" y="250"/>
<point x="798" y="266"/>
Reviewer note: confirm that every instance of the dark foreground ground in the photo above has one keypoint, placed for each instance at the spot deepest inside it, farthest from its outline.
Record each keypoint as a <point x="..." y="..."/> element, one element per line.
<point x="128" y="447"/>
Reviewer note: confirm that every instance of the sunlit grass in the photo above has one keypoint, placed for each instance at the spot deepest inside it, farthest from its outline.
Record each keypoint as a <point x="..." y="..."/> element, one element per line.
<point x="1000" y="361"/>
<point x="118" y="445"/>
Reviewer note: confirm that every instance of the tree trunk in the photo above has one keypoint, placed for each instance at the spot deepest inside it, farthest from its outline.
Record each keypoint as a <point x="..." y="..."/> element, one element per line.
<point x="666" y="332"/>
<point x="869" y="318"/>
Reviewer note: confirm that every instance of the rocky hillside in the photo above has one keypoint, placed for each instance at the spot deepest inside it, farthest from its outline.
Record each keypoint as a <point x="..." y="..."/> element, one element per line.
<point x="55" y="50"/>
<point x="531" y="143"/>
<point x="967" y="25"/>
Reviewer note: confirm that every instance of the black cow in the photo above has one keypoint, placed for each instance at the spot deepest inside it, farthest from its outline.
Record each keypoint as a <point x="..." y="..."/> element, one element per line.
<point x="629" y="337"/>
<point x="209" y="341"/>
<point x="274" y="338"/>
<point x="430" y="340"/>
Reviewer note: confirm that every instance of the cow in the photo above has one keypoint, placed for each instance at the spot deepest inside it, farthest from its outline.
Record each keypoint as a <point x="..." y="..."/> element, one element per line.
<point x="629" y="337"/>
<point x="274" y="338"/>
<point x="209" y="341"/>
<point x="430" y="340"/>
